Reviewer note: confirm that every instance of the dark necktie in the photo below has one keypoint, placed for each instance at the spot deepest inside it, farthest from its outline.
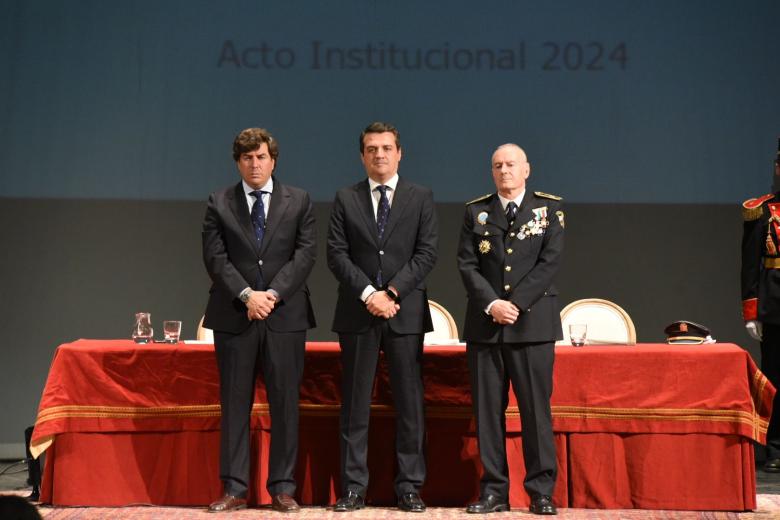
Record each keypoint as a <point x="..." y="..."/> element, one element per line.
<point x="382" y="214"/>
<point x="382" y="210"/>
<point x="511" y="209"/>
<point x="258" y="222"/>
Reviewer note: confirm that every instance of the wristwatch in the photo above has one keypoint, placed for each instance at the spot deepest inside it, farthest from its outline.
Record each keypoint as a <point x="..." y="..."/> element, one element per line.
<point x="244" y="296"/>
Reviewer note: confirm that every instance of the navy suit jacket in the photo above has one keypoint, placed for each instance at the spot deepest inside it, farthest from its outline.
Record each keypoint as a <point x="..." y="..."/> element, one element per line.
<point x="233" y="258"/>
<point x="406" y="254"/>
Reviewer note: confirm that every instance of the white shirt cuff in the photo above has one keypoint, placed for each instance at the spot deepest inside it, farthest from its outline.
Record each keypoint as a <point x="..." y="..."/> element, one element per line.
<point x="368" y="291"/>
<point x="487" y="309"/>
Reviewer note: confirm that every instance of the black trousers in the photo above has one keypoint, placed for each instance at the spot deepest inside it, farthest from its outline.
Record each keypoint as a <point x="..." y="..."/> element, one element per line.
<point x="279" y="356"/>
<point x="529" y="366"/>
<point x="770" y="366"/>
<point x="359" y="356"/>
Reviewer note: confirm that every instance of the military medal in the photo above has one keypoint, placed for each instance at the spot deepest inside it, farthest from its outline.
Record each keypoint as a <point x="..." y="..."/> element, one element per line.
<point x="484" y="247"/>
<point x="560" y="218"/>
<point x="482" y="217"/>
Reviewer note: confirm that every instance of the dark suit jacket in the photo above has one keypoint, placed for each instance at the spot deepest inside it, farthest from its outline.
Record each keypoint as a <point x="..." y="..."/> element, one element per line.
<point x="233" y="258"/>
<point x="496" y="264"/>
<point x="406" y="255"/>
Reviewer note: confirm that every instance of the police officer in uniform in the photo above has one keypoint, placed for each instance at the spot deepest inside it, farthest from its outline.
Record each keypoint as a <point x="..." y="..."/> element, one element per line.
<point x="509" y="252"/>
<point x="761" y="296"/>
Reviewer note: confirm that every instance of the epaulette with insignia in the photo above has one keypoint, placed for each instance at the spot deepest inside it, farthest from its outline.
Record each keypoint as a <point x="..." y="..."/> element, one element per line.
<point x="547" y="195"/>
<point x="752" y="209"/>
<point x="479" y="199"/>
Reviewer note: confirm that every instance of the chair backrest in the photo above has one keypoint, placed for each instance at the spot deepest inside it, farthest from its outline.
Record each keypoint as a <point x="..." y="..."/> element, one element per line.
<point x="204" y="334"/>
<point x="444" y="327"/>
<point x="607" y="322"/>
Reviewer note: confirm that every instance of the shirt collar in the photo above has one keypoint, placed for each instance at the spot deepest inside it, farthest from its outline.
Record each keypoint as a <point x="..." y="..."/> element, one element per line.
<point x="269" y="187"/>
<point x="392" y="183"/>
<point x="517" y="200"/>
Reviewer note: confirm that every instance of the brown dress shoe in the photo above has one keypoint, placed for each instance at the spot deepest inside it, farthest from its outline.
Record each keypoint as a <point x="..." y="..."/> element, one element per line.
<point x="285" y="504"/>
<point x="227" y="503"/>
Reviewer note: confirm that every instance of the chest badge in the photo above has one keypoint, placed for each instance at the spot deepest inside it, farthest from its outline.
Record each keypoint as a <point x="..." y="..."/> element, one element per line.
<point x="484" y="247"/>
<point x="482" y="218"/>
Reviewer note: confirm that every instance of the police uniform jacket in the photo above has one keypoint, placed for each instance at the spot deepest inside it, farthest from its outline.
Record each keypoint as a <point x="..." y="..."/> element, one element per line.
<point x="760" y="259"/>
<point x="516" y="262"/>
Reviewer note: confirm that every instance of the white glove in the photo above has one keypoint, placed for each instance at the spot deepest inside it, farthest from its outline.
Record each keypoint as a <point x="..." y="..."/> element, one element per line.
<point x="753" y="328"/>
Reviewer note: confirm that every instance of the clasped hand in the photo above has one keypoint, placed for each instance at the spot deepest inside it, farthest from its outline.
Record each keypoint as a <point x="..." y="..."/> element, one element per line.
<point x="380" y="304"/>
<point x="260" y="305"/>
<point x="504" y="312"/>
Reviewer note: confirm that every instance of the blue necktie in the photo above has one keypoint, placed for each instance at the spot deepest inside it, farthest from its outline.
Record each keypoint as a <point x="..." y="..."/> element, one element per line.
<point x="511" y="209"/>
<point x="382" y="214"/>
<point x="258" y="221"/>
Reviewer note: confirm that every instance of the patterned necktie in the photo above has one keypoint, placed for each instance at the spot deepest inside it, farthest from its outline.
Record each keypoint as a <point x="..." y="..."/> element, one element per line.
<point x="258" y="221"/>
<point x="511" y="209"/>
<point x="382" y="214"/>
<point x="382" y="210"/>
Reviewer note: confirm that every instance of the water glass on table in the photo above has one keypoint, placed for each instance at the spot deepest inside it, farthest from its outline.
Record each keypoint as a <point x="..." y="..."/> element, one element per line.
<point x="577" y="334"/>
<point x="171" y="331"/>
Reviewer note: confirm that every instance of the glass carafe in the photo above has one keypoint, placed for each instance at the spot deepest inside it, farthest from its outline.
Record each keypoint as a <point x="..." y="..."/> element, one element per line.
<point x="142" y="330"/>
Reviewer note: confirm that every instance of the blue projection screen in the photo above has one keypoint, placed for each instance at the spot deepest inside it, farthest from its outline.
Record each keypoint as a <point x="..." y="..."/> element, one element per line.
<point x="614" y="101"/>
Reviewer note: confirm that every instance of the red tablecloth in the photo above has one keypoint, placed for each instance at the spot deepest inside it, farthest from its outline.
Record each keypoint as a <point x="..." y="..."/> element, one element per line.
<point x="633" y="427"/>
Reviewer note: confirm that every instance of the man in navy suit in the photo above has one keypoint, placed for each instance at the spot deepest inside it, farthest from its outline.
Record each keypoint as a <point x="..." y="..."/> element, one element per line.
<point x="509" y="253"/>
<point x="259" y="242"/>
<point x="381" y="245"/>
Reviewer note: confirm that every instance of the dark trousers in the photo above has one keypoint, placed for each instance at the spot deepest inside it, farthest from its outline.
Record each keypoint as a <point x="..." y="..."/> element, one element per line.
<point x="359" y="356"/>
<point x="279" y="356"/>
<point x="529" y="366"/>
<point x="770" y="366"/>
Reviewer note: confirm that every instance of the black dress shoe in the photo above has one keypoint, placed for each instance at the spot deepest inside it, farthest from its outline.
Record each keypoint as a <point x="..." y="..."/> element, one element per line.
<point x="349" y="502"/>
<point x="488" y="504"/>
<point x="285" y="504"/>
<point x="772" y="466"/>
<point x="542" y="505"/>
<point x="227" y="503"/>
<point x="411" y="502"/>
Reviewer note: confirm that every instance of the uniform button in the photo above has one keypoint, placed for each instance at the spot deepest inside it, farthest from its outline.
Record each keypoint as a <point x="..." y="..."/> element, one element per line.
<point x="507" y="287"/>
<point x="512" y="234"/>
<point x="260" y="262"/>
<point x="381" y="252"/>
<point x="486" y="233"/>
<point x="509" y="251"/>
<point x="508" y="268"/>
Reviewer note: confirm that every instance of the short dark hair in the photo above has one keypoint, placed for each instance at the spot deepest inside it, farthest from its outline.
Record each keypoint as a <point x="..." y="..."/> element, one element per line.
<point x="251" y="139"/>
<point x="378" y="127"/>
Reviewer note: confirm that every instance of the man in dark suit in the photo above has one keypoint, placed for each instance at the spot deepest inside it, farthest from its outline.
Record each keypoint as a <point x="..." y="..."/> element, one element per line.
<point x="259" y="247"/>
<point x="510" y="248"/>
<point x="381" y="246"/>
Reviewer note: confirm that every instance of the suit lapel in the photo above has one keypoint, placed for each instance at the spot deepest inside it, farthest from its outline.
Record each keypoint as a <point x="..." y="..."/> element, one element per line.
<point x="400" y="200"/>
<point x="239" y="207"/>
<point x="280" y="200"/>
<point x="363" y="201"/>
<point x="497" y="216"/>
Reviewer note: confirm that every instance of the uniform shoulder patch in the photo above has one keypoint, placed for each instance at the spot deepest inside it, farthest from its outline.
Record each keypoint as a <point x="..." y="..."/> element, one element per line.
<point x="547" y="195"/>
<point x="752" y="209"/>
<point x="479" y="199"/>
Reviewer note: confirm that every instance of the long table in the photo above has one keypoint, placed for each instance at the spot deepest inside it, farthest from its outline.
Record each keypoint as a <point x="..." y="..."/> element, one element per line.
<point x="650" y="426"/>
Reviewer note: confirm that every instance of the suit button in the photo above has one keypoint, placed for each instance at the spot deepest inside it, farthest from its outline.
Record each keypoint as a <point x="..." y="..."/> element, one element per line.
<point x="507" y="287"/>
<point x="381" y="252"/>
<point x="508" y="268"/>
<point x="260" y="262"/>
<point x="509" y="251"/>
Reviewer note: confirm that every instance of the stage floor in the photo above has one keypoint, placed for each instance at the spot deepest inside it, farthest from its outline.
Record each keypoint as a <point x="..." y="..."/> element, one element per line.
<point x="767" y="489"/>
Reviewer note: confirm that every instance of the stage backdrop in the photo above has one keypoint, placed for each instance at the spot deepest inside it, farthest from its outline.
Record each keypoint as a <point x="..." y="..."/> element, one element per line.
<point x="653" y="120"/>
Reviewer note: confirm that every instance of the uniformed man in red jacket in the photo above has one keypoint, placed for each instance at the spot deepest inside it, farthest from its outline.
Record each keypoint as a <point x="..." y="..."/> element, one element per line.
<point x="761" y="296"/>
